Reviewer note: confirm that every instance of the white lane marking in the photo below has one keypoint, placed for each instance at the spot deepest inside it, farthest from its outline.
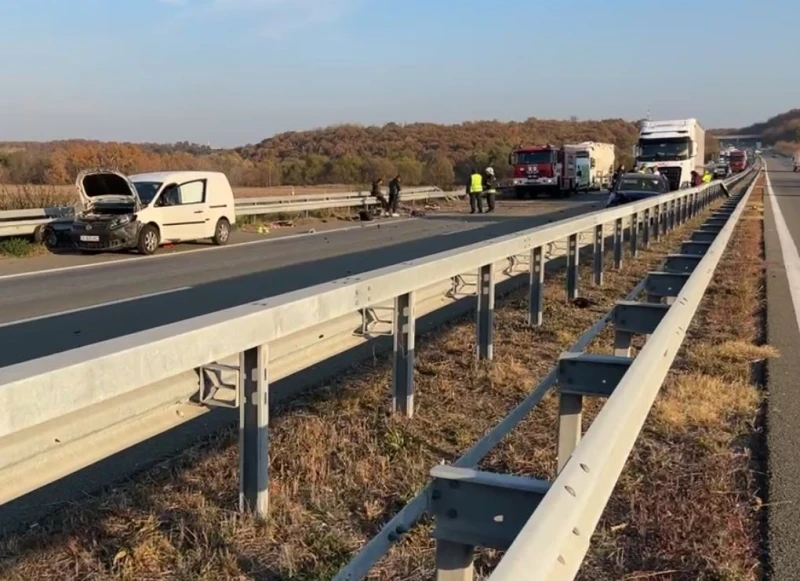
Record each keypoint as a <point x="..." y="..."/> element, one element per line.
<point x="791" y="258"/>
<point x="123" y="259"/>
<point x="97" y="306"/>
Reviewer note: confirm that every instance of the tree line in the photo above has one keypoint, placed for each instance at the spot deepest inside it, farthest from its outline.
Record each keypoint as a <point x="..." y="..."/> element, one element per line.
<point x="421" y="153"/>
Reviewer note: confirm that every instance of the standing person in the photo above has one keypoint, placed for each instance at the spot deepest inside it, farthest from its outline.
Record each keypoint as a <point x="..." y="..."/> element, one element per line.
<point x="617" y="175"/>
<point x="707" y="177"/>
<point x="696" y="179"/>
<point x="377" y="193"/>
<point x="394" y="195"/>
<point x="475" y="189"/>
<point x="490" y="188"/>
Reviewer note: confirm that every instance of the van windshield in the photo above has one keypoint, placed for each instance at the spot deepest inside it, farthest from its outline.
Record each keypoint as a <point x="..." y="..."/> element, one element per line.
<point x="147" y="191"/>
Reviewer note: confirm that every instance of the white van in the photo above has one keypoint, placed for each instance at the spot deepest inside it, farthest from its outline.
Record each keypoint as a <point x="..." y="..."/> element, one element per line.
<point x="143" y="211"/>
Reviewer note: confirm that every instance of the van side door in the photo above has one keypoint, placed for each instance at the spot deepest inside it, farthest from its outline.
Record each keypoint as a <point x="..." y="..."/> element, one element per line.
<point x="181" y="211"/>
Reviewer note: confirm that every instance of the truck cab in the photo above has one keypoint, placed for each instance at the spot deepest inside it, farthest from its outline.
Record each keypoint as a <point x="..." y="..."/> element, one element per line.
<point x="737" y="160"/>
<point x="676" y="148"/>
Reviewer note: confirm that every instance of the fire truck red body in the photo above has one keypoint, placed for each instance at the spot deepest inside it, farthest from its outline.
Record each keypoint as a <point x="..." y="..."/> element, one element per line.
<point x="549" y="170"/>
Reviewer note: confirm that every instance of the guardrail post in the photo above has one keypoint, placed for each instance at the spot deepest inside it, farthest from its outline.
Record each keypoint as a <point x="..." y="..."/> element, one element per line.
<point x="454" y="561"/>
<point x="672" y="215"/>
<point x="657" y="223"/>
<point x="485" y="311"/>
<point x="572" y="267"/>
<point x="619" y="235"/>
<point x="647" y="228"/>
<point x="254" y="431"/>
<point x="599" y="250"/>
<point x="570" y="412"/>
<point x="536" y="287"/>
<point x="403" y="363"/>
<point x="634" y="234"/>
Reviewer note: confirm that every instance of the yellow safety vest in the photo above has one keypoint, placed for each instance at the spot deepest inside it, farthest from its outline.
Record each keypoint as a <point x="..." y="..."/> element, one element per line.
<point x="475" y="183"/>
<point x="706" y="178"/>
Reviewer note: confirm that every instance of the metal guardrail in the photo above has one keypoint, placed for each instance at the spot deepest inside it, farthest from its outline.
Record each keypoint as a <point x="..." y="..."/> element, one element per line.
<point x="555" y="539"/>
<point x="26" y="222"/>
<point x="63" y="412"/>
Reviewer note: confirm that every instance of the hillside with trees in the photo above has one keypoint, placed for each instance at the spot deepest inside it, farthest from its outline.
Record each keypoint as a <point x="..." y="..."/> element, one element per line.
<point x="346" y="154"/>
<point x="782" y="131"/>
<point x="423" y="153"/>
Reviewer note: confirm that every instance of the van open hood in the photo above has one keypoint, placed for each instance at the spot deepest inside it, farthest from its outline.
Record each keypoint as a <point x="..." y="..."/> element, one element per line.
<point x="106" y="186"/>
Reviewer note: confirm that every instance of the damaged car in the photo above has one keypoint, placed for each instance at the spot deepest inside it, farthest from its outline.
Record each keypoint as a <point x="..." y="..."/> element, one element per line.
<point x="144" y="211"/>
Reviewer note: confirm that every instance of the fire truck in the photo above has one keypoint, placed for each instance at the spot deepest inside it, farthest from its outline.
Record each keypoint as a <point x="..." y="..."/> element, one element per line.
<point x="550" y="170"/>
<point x="737" y="160"/>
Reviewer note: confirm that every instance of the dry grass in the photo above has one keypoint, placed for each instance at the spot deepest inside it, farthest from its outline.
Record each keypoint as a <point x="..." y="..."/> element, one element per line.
<point x="687" y="505"/>
<point x="340" y="466"/>
<point x="22" y="197"/>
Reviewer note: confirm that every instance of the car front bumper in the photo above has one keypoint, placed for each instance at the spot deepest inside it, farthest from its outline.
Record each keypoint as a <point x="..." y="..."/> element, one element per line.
<point x="100" y="239"/>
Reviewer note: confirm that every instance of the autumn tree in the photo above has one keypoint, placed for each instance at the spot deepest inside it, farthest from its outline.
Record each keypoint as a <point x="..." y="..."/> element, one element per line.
<point x="439" y="172"/>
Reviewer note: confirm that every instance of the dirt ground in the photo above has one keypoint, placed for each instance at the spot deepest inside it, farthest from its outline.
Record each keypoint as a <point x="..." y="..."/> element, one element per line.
<point x="685" y="508"/>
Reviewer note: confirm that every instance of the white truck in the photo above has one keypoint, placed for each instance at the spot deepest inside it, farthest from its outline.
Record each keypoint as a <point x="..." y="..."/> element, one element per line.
<point x="675" y="147"/>
<point x="602" y="158"/>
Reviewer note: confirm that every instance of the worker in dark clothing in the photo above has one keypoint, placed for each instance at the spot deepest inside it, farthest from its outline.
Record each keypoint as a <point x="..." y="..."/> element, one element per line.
<point x="489" y="188"/>
<point x="620" y="171"/>
<point x="377" y="193"/>
<point x="474" y="190"/>
<point x="696" y="179"/>
<point x="394" y="195"/>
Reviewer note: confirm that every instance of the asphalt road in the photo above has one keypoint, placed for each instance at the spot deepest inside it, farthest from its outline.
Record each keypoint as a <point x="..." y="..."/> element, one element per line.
<point x="782" y="233"/>
<point x="50" y="312"/>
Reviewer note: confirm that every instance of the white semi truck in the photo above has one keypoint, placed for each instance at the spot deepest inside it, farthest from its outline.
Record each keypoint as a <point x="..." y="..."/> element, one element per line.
<point x="675" y="147"/>
<point x="602" y="158"/>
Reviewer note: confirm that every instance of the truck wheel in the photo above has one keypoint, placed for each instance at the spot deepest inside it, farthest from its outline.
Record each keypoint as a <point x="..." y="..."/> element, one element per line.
<point x="149" y="239"/>
<point x="222" y="233"/>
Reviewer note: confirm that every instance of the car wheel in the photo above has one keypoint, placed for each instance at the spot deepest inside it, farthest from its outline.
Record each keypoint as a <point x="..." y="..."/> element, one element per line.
<point x="222" y="233"/>
<point x="149" y="240"/>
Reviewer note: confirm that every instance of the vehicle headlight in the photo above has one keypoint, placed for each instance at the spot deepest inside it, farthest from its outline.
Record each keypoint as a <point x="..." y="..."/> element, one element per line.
<point x="120" y="221"/>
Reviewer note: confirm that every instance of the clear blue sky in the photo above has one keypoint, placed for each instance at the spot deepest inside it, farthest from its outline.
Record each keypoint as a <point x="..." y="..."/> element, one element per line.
<point x="230" y="72"/>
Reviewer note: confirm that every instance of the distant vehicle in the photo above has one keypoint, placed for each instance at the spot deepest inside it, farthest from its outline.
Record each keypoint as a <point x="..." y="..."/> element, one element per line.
<point x="550" y="170"/>
<point x="796" y="161"/>
<point x="143" y="211"/>
<point x="632" y="187"/>
<point x="737" y="160"/>
<point x="675" y="147"/>
<point x="721" y="170"/>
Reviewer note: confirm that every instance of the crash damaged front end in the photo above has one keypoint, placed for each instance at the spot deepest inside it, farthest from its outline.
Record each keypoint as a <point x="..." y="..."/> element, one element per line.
<point x="107" y="221"/>
<point x="109" y="228"/>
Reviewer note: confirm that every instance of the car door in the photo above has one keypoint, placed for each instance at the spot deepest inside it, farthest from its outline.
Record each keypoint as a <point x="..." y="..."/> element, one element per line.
<point x="182" y="211"/>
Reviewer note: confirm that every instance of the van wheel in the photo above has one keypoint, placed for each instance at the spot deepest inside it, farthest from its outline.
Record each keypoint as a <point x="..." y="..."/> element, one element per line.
<point x="222" y="233"/>
<point x="149" y="240"/>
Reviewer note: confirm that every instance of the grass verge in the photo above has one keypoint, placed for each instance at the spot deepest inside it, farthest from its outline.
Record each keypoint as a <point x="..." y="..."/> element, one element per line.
<point x="341" y="466"/>
<point x="688" y="505"/>
<point x="19" y="248"/>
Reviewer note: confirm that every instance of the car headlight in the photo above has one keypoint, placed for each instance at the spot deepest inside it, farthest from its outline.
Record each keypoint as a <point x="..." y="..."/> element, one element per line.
<point x="120" y="221"/>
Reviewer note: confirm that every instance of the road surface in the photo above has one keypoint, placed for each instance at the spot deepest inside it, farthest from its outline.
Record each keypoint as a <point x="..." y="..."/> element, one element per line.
<point x="782" y="233"/>
<point x="49" y="312"/>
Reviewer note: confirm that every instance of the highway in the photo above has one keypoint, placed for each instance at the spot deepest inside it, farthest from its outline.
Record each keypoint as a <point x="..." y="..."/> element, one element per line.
<point x="48" y="312"/>
<point x="782" y="238"/>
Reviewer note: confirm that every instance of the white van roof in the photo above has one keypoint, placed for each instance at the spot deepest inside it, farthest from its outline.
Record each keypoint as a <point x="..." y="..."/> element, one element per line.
<point x="174" y="176"/>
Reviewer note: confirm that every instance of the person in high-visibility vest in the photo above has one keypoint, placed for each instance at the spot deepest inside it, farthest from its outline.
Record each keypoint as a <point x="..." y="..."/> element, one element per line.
<point x="489" y="188"/>
<point x="475" y="189"/>
<point x="707" y="177"/>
